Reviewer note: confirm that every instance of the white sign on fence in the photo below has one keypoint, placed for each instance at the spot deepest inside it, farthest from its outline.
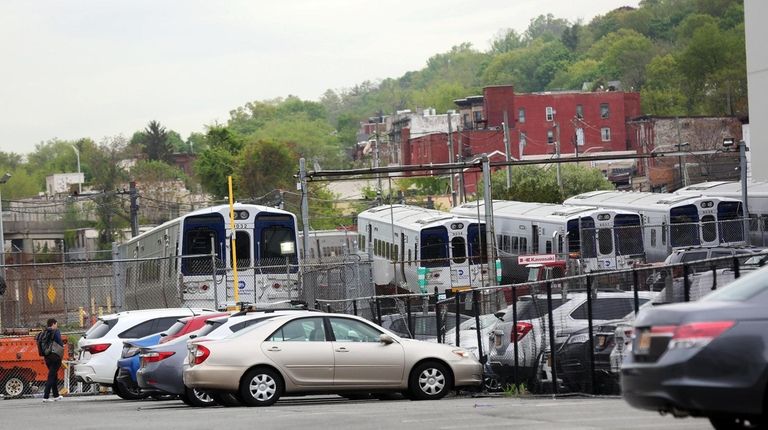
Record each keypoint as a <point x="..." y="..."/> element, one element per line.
<point x="543" y="258"/>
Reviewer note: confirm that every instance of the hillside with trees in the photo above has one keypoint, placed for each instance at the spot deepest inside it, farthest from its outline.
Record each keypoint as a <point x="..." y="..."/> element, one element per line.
<point x="685" y="57"/>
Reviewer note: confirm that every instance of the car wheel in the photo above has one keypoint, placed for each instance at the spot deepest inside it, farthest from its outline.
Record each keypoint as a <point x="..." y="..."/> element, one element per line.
<point x="429" y="381"/>
<point x="15" y="386"/>
<point x="226" y="399"/>
<point x="125" y="392"/>
<point x="261" y="387"/>
<point x="733" y="422"/>
<point x="197" y="398"/>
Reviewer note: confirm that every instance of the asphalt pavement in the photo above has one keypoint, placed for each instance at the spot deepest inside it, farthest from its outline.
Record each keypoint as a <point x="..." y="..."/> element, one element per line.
<point x="333" y="412"/>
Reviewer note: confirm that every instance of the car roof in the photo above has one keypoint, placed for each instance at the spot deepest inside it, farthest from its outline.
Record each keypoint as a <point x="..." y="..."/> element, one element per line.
<point x="149" y="313"/>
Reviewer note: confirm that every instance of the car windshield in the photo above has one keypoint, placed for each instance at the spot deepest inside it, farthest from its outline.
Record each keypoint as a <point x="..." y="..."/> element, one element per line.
<point x="742" y="289"/>
<point x="529" y="308"/>
<point x="210" y="326"/>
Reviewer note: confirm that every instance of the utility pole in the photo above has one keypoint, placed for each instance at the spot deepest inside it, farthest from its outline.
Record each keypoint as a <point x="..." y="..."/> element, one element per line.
<point x="489" y="230"/>
<point x="462" y="190"/>
<point x="680" y="157"/>
<point x="304" y="208"/>
<point x="505" y="127"/>
<point x="450" y="156"/>
<point x="557" y="151"/>
<point x="376" y="159"/>
<point x="743" y="168"/>
<point x="134" y="210"/>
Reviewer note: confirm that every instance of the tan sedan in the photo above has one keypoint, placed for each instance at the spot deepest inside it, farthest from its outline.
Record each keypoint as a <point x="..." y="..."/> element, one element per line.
<point x="326" y="353"/>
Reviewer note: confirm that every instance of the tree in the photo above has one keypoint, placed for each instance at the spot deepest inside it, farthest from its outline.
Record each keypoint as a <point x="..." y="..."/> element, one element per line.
<point x="107" y="175"/>
<point x="663" y="93"/>
<point x="539" y="184"/>
<point x="156" y="142"/>
<point x="263" y="167"/>
<point x="217" y="161"/>
<point x="505" y="41"/>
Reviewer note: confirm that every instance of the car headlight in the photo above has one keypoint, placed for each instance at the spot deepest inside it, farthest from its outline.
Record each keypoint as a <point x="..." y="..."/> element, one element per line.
<point x="578" y="338"/>
<point x="462" y="353"/>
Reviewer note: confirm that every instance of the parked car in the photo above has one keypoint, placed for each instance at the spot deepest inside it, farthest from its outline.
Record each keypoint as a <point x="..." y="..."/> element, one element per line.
<point x="573" y="360"/>
<point x="698" y="253"/>
<point x="704" y="358"/>
<point x="424" y="324"/>
<point x="101" y="346"/>
<point x="468" y="334"/>
<point x="129" y="362"/>
<point x="161" y="366"/>
<point x="298" y="354"/>
<point x="532" y="331"/>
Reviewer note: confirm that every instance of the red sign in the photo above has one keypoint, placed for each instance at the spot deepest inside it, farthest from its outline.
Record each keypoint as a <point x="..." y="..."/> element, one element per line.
<point x="542" y="258"/>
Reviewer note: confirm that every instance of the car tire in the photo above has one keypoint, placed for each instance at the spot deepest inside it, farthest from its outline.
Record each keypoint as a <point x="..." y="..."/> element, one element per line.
<point x="226" y="399"/>
<point x="15" y="386"/>
<point x="735" y="422"/>
<point x="126" y="393"/>
<point x="261" y="387"/>
<point x="197" y="398"/>
<point x="429" y="381"/>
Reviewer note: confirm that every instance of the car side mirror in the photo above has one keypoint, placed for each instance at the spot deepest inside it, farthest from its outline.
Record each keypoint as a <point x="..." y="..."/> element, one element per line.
<point x="192" y="336"/>
<point x="499" y="315"/>
<point x="386" y="339"/>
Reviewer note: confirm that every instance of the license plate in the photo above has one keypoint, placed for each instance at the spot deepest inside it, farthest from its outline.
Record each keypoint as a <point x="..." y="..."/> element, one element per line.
<point x="643" y="342"/>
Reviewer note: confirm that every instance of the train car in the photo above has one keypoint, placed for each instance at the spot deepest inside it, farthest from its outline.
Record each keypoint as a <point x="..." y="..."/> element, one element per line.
<point x="172" y="264"/>
<point x="328" y="246"/>
<point x="674" y="220"/>
<point x="597" y="239"/>
<point x="401" y="239"/>
<point x="757" y="203"/>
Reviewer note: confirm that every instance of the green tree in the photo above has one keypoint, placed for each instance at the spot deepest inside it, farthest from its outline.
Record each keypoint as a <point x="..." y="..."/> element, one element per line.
<point x="539" y="184"/>
<point x="156" y="142"/>
<point x="107" y="175"/>
<point x="663" y="93"/>
<point x="263" y="167"/>
<point x="218" y="159"/>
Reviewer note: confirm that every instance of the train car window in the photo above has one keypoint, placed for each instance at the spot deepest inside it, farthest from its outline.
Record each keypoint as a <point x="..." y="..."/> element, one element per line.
<point x="514" y="244"/>
<point x="243" y="250"/>
<point x="588" y="233"/>
<point x="628" y="235"/>
<point x="683" y="226"/>
<point x="396" y="253"/>
<point x="478" y="250"/>
<point x="362" y="243"/>
<point x="653" y="237"/>
<point x="458" y="250"/>
<point x="197" y="241"/>
<point x="729" y="215"/>
<point x="708" y="228"/>
<point x="605" y="241"/>
<point x="409" y="258"/>
<point x="523" y="244"/>
<point x="663" y="233"/>
<point x="548" y="247"/>
<point x="434" y="247"/>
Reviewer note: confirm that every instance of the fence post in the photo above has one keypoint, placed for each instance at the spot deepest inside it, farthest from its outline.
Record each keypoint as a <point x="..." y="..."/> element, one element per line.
<point x="553" y="361"/>
<point x="378" y="311"/>
<point x="354" y="306"/>
<point x="317" y="304"/>
<point x="408" y="322"/>
<point x="686" y="284"/>
<point x="591" y="335"/>
<point x="64" y="292"/>
<point x="514" y="328"/>
<point x="476" y="307"/>
<point x="736" y="268"/>
<point x="714" y="276"/>
<point x="636" y="287"/>
<point x="328" y="308"/>
<point x="437" y="316"/>
<point x="457" y="319"/>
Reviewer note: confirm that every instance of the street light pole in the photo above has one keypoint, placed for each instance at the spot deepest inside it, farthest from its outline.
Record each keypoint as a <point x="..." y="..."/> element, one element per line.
<point x="3" y="180"/>
<point x="79" y="183"/>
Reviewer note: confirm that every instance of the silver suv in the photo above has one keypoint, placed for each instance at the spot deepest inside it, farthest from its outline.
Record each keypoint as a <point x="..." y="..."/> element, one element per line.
<point x="532" y="330"/>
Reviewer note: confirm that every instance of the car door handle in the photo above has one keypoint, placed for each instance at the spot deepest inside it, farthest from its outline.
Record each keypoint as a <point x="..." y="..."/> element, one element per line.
<point x="274" y="348"/>
<point x="342" y="349"/>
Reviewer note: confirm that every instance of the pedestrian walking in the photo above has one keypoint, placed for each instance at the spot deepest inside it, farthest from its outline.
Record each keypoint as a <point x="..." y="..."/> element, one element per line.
<point x="52" y="348"/>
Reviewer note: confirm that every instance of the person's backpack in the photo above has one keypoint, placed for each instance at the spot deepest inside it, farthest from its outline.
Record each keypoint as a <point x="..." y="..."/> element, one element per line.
<point x="44" y="342"/>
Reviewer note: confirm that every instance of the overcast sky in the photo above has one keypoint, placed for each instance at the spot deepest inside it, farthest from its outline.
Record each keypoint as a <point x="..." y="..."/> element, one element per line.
<point x="76" y="68"/>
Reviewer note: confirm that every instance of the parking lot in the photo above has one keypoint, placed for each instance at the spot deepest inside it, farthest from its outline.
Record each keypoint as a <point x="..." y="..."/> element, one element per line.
<point x="110" y="412"/>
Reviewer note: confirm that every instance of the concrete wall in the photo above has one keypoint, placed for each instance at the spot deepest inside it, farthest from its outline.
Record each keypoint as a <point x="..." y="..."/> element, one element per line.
<point x="755" y="15"/>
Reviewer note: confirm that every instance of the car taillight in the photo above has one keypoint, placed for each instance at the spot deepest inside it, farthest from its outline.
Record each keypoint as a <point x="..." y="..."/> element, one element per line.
<point x="201" y="353"/>
<point x="96" y="348"/>
<point x="521" y="330"/>
<point x="698" y="334"/>
<point x="154" y="357"/>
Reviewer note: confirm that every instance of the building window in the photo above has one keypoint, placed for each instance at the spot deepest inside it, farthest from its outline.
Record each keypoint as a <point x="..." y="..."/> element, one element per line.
<point x="580" y="111"/>
<point x="478" y="115"/>
<point x="580" y="136"/>
<point x="550" y="137"/>
<point x="521" y="116"/>
<point x="605" y="132"/>
<point x="522" y="142"/>
<point x="550" y="113"/>
<point x="604" y="110"/>
<point x="467" y="122"/>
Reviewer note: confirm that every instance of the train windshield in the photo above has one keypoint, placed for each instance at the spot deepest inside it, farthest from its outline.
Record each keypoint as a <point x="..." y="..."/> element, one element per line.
<point x="588" y="236"/>
<point x="434" y="247"/>
<point x="684" y="226"/>
<point x="200" y="232"/>
<point x="729" y="216"/>
<point x="477" y="249"/>
<point x="629" y="235"/>
<point x="275" y="239"/>
<point x="574" y="243"/>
